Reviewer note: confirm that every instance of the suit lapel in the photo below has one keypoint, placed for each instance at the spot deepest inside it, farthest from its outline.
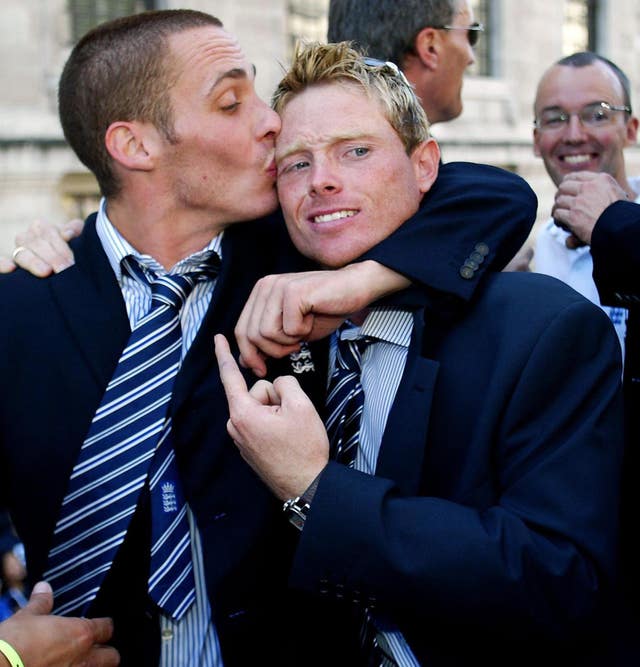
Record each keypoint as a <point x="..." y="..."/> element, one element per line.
<point x="404" y="441"/>
<point x="242" y="265"/>
<point x="92" y="306"/>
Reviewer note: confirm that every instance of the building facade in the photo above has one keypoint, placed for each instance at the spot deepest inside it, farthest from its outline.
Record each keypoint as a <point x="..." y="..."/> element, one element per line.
<point x="40" y="176"/>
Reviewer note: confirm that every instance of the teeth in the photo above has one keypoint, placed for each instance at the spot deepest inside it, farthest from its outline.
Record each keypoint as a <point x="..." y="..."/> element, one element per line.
<point x="576" y="159"/>
<point x="328" y="217"/>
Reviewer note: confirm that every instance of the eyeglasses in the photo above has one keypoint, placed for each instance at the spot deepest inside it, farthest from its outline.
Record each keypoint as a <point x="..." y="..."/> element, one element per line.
<point x="473" y="31"/>
<point x="388" y="66"/>
<point x="594" y="115"/>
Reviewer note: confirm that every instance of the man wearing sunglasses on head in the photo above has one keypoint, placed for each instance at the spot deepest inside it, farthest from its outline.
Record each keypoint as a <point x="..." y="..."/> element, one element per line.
<point x="432" y="42"/>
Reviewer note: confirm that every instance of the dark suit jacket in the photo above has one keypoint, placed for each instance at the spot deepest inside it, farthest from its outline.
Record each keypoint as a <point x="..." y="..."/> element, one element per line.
<point x="60" y="340"/>
<point x="489" y="532"/>
<point x="615" y="246"/>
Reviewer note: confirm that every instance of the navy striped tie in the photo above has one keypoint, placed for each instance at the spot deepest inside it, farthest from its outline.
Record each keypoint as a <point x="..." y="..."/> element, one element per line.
<point x="343" y="416"/>
<point x="345" y="401"/>
<point x="129" y="445"/>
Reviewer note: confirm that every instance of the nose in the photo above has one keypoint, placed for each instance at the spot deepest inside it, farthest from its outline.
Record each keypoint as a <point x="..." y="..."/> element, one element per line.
<point x="269" y="125"/>
<point x="472" y="56"/>
<point x="574" y="132"/>
<point x="323" y="180"/>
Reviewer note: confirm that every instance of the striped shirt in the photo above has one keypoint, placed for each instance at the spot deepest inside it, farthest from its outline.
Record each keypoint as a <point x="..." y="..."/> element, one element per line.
<point x="383" y="364"/>
<point x="192" y="641"/>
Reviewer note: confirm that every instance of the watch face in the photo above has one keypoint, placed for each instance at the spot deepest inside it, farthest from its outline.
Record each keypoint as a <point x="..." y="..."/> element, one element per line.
<point x="297" y="520"/>
<point x="296" y="510"/>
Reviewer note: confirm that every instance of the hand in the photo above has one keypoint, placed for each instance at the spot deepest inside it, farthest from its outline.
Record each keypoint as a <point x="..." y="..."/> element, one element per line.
<point x="275" y="427"/>
<point x="579" y="202"/>
<point x="13" y="571"/>
<point x="285" y="309"/>
<point x="44" y="248"/>
<point x="42" y="640"/>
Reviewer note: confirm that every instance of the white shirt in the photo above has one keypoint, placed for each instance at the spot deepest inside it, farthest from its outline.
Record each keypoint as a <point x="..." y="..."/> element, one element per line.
<point x="575" y="267"/>
<point x="192" y="641"/>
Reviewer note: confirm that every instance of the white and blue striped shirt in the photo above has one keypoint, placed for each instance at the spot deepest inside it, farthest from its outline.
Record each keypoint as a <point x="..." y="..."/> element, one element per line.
<point x="383" y="364"/>
<point x="192" y="641"/>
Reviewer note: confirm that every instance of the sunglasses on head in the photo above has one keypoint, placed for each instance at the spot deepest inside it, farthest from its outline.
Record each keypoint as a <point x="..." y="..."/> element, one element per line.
<point x="473" y="30"/>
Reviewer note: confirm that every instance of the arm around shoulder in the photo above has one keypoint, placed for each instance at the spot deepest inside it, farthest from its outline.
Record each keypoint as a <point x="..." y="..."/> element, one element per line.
<point x="474" y="219"/>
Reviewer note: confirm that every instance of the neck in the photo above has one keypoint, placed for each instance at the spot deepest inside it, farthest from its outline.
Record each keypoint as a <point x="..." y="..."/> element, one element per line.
<point x="167" y="235"/>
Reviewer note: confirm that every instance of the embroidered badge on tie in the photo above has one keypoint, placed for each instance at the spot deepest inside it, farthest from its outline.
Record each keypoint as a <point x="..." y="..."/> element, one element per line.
<point x="169" y="501"/>
<point x="301" y="361"/>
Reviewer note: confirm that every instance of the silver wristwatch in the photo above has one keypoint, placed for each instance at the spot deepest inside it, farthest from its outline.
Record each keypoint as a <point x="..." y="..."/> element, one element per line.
<point x="296" y="509"/>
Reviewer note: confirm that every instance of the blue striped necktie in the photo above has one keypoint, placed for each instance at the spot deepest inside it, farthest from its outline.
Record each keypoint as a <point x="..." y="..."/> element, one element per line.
<point x="129" y="445"/>
<point x="343" y="417"/>
<point x="345" y="401"/>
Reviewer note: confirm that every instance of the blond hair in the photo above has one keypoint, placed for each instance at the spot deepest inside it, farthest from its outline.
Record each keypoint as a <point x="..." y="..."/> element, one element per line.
<point x="328" y="63"/>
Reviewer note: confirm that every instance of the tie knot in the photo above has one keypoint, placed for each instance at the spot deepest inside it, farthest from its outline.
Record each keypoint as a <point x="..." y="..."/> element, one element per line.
<point x="173" y="289"/>
<point x="349" y="353"/>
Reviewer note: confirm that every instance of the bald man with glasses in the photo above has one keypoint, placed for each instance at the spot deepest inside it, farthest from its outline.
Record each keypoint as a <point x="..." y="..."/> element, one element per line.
<point x="583" y="122"/>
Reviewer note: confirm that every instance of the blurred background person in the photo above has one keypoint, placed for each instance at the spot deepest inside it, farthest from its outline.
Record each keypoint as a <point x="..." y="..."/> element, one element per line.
<point x="583" y="122"/>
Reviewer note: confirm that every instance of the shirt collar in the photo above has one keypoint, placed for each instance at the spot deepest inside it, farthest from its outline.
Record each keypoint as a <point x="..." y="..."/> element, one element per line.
<point x="117" y="248"/>
<point x="384" y="324"/>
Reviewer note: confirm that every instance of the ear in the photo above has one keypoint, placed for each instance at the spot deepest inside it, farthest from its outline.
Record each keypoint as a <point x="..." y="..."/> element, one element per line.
<point x="632" y="131"/>
<point x="426" y="163"/>
<point x="428" y="47"/>
<point x="130" y="144"/>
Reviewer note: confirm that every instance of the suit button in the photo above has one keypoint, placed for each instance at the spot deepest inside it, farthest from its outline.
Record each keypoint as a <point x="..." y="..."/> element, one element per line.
<point x="482" y="248"/>
<point x="339" y="591"/>
<point x="467" y="272"/>
<point x="471" y="264"/>
<point x="323" y="587"/>
<point x="477" y="257"/>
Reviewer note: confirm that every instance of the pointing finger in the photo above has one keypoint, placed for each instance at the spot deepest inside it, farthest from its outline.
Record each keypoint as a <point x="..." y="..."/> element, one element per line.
<point x="230" y="375"/>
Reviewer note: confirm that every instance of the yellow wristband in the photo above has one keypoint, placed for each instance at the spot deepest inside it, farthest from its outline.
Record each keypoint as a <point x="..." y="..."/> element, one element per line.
<point x="10" y="654"/>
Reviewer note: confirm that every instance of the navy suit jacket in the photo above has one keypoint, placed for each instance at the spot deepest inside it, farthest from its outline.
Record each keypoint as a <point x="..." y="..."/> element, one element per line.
<point x="60" y="341"/>
<point x="615" y="246"/>
<point x="489" y="532"/>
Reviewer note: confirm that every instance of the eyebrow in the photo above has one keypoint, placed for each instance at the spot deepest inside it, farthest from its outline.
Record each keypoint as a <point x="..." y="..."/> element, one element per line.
<point x="235" y="73"/>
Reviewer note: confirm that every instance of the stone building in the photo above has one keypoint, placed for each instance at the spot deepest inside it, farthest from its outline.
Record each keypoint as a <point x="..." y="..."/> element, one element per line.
<point x="40" y="176"/>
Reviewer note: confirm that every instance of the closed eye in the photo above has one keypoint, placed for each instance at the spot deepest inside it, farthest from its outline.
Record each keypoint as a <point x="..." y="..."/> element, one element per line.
<point x="231" y="107"/>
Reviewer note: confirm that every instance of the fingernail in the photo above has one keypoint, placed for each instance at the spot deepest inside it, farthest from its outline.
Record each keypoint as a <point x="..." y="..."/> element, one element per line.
<point x="42" y="587"/>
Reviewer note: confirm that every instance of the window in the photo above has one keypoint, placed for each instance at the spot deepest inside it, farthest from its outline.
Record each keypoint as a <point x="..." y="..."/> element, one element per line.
<point x="86" y="14"/>
<point x="79" y="193"/>
<point x="580" y="26"/>
<point x="306" y="21"/>
<point x="482" y="14"/>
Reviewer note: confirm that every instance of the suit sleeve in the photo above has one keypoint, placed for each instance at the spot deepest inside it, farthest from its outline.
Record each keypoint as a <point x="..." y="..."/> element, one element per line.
<point x="474" y="219"/>
<point x="540" y="552"/>
<point x="615" y="247"/>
